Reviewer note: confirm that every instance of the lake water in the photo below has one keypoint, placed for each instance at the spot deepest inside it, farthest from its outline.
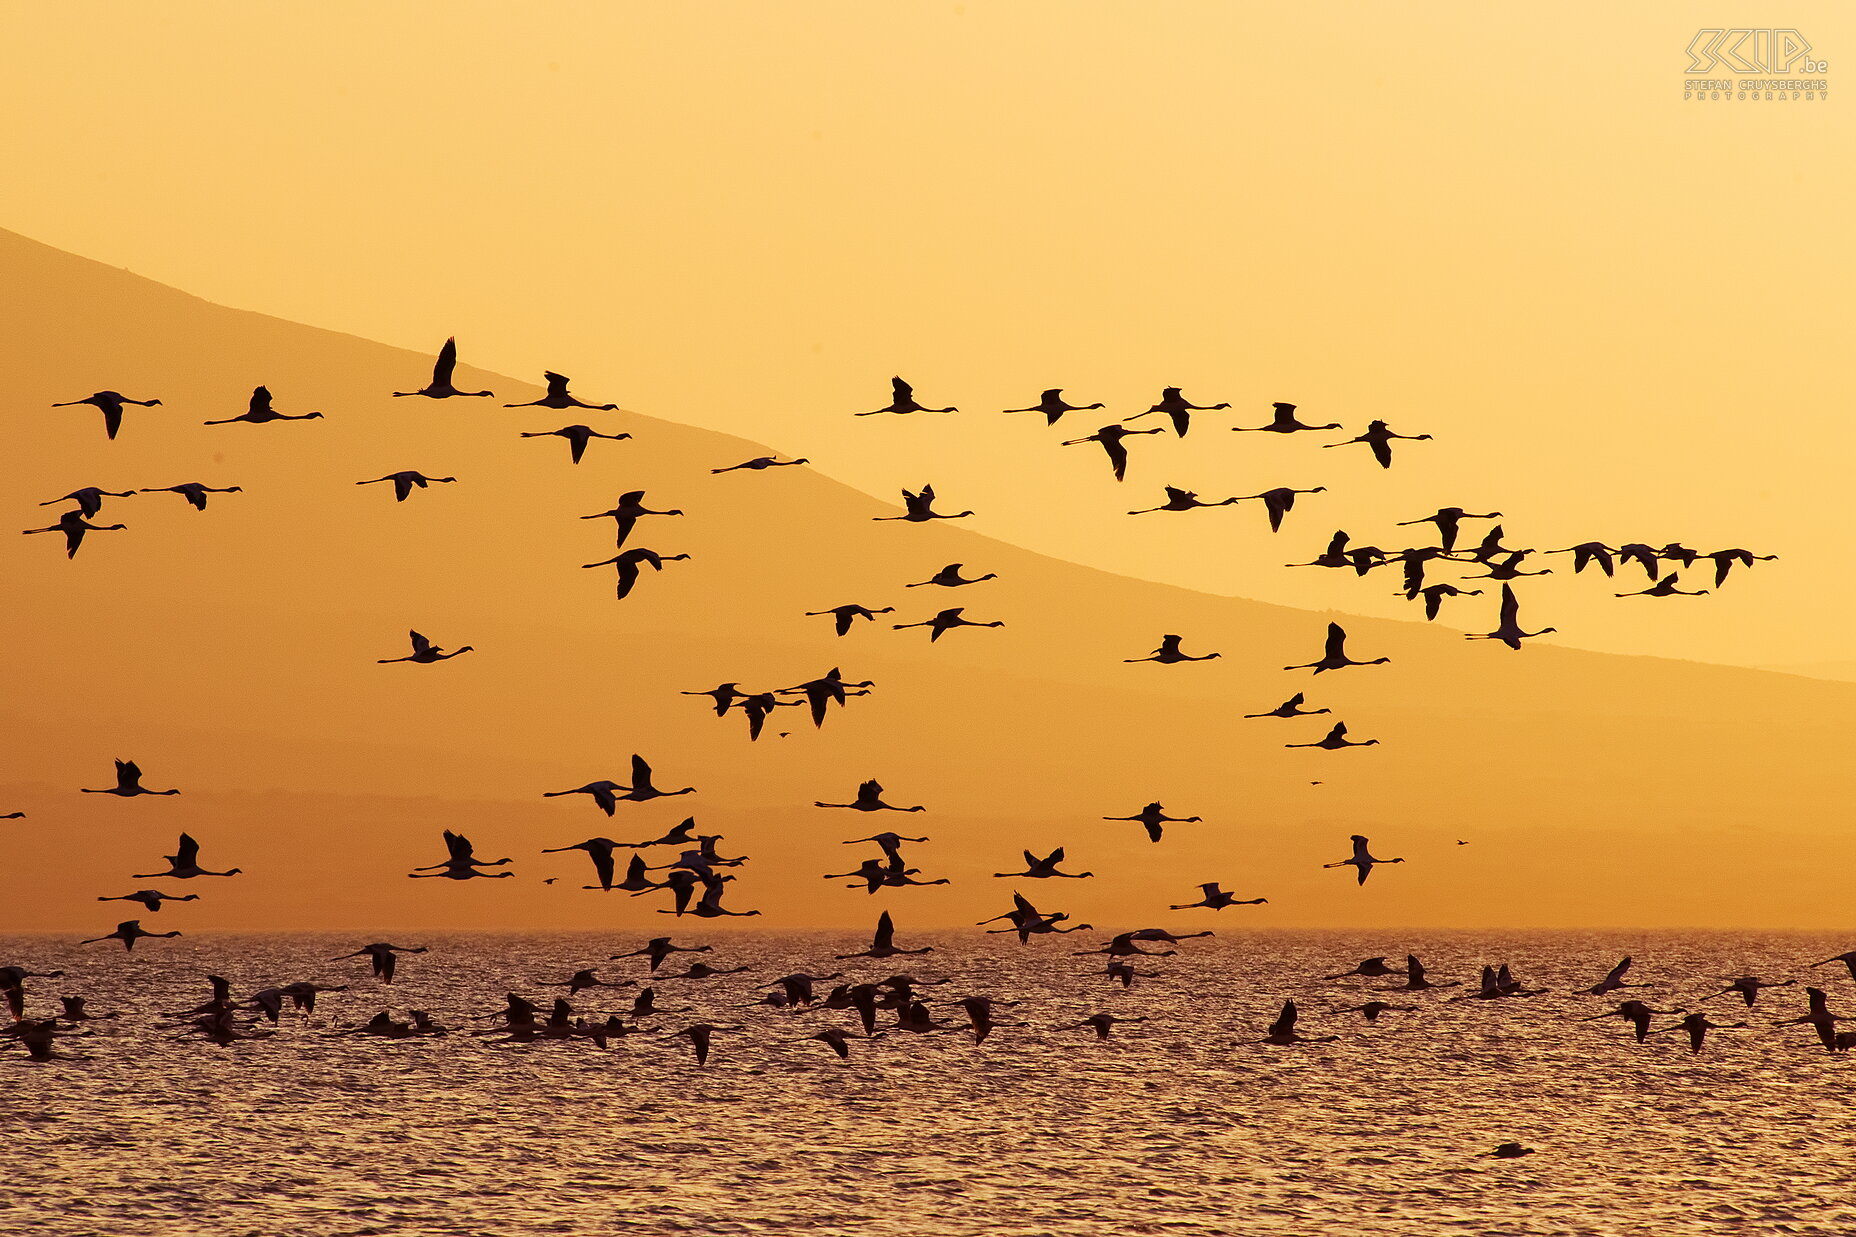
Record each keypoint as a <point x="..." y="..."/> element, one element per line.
<point x="1178" y="1125"/>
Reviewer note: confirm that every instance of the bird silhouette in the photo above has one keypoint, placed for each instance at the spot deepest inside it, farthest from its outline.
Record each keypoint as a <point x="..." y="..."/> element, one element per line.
<point x="642" y="790"/>
<point x="1101" y="1024"/>
<point x="1152" y="818"/>
<point x="1612" y="981"/>
<point x="874" y="874"/>
<point x="626" y="515"/>
<point x="1587" y="553"/>
<point x="700" y="1035"/>
<point x="1281" y="422"/>
<point x="73" y="525"/>
<point x="89" y="499"/>
<point x="1182" y="500"/>
<point x="1292" y="707"/>
<point x="194" y="492"/>
<point x="839" y="1040"/>
<point x="844" y="615"/>
<point x="1497" y="984"/>
<point x="1748" y="988"/>
<point x="1644" y="556"/>
<point x="1508" y="631"/>
<point x="1334" y="556"/>
<point x="1434" y="595"/>
<point x="1177" y="409"/>
<point x="128" y="932"/>
<point x="759" y="705"/>
<point x="636" y="881"/>
<point x="1666" y="587"/>
<point x="1278" y="502"/>
<point x="724" y="695"/>
<point x="797" y="988"/>
<point x="1282" y="1032"/>
<point x="441" y="386"/>
<point x="870" y="799"/>
<point x="1508" y="568"/>
<point x="630" y="564"/>
<point x="1370" y="968"/>
<point x="577" y="437"/>
<point x="1052" y="404"/>
<point x="950" y="577"/>
<point x="1025" y="921"/>
<point x="1123" y="972"/>
<point x="1819" y="1018"/>
<point x="1724" y="561"/>
<point x="682" y="835"/>
<point x="111" y="404"/>
<point x="184" y="864"/>
<point x="383" y="957"/>
<point x="1637" y="1013"/>
<point x="12" y="985"/>
<point x="1448" y="520"/>
<point x="128" y="783"/>
<point x="1416" y="980"/>
<point x="557" y="397"/>
<point x="1123" y="945"/>
<point x="1334" y="654"/>
<point x="1848" y="959"/>
<point x="902" y="401"/>
<point x="606" y="793"/>
<point x="152" y="898"/>
<point x="461" y="864"/>
<point x="826" y="690"/>
<point x="760" y="463"/>
<point x="709" y="906"/>
<point x="1335" y="739"/>
<point x="1697" y="1026"/>
<point x="1372" y="1009"/>
<point x="1169" y="653"/>
<point x="599" y="850"/>
<point x="1379" y="437"/>
<point x="1416" y="561"/>
<point x="944" y="621"/>
<point x="918" y="508"/>
<point x="75" y="1010"/>
<point x="423" y="652"/>
<point x="403" y="483"/>
<point x="883" y="942"/>
<point x="657" y="949"/>
<point x="1362" y="860"/>
<point x="1110" y="436"/>
<point x="260" y="412"/>
<point x="1041" y="869"/>
<point x="1217" y="899"/>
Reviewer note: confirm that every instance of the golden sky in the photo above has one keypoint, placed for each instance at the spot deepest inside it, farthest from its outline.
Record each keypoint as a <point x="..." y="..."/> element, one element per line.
<point x="1618" y="313"/>
<point x="1616" y="310"/>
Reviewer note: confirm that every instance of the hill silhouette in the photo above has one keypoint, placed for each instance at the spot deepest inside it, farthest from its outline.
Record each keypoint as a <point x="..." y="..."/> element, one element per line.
<point x="232" y="653"/>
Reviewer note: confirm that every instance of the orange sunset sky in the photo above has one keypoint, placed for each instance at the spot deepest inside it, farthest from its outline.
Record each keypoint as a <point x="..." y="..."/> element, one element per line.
<point x="1620" y="314"/>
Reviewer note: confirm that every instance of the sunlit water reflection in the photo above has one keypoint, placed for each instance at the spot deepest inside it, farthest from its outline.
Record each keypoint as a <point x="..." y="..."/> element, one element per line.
<point x="1179" y="1125"/>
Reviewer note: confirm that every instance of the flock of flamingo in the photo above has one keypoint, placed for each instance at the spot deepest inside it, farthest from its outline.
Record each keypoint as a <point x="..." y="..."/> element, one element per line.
<point x="697" y="879"/>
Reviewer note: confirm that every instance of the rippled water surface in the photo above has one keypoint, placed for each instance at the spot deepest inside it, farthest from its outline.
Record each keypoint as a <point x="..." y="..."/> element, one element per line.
<point x="1178" y="1125"/>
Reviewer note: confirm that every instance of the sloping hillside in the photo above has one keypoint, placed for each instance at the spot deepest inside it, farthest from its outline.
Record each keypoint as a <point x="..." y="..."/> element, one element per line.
<point x="232" y="652"/>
